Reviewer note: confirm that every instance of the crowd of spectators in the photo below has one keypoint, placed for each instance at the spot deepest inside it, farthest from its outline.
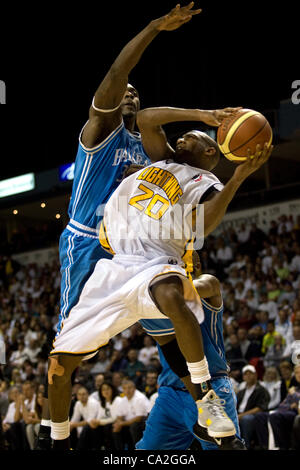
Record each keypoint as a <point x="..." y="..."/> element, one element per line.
<point x="114" y="391"/>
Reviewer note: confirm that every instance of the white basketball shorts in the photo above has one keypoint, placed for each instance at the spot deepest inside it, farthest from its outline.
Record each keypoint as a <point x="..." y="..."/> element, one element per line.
<point x="115" y="297"/>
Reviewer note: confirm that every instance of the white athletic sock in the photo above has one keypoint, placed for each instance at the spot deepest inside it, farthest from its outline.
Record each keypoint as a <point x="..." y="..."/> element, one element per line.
<point x="60" y="431"/>
<point x="199" y="371"/>
<point x="46" y="422"/>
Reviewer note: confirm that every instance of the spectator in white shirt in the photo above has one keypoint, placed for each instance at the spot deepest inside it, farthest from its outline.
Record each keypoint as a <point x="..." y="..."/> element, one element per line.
<point x="269" y="306"/>
<point x="224" y="253"/>
<point x="132" y="412"/>
<point x="283" y="325"/>
<point x="239" y="291"/>
<point x="10" y="414"/>
<point x="243" y="234"/>
<point x="251" y="299"/>
<point x="234" y="277"/>
<point x="102" y="364"/>
<point x="32" y="351"/>
<point x="238" y="263"/>
<point x="287" y="292"/>
<point x="272" y="382"/>
<point x="24" y="403"/>
<point x="85" y="409"/>
<point x="285" y="224"/>
<point x="100" y="430"/>
<point x="147" y="351"/>
<point x="19" y="356"/>
<point x="267" y="261"/>
<point x="295" y="262"/>
<point x="292" y="343"/>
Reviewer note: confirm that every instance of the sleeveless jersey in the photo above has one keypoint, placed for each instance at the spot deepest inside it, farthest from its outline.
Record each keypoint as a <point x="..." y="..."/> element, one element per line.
<point x="152" y="212"/>
<point x="98" y="172"/>
<point x="212" y="334"/>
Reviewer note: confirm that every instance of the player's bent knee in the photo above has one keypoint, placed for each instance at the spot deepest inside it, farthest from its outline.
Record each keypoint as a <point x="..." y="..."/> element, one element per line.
<point x="168" y="295"/>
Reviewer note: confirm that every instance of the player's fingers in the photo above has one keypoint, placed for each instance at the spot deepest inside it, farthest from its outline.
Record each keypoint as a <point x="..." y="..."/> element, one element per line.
<point x="189" y="6"/>
<point x="196" y="12"/>
<point x="174" y="10"/>
<point x="267" y="152"/>
<point x="249" y="155"/>
<point x="233" y="110"/>
<point x="257" y="155"/>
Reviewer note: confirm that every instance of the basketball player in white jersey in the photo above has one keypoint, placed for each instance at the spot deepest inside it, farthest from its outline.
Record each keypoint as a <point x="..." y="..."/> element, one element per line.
<point x="146" y="278"/>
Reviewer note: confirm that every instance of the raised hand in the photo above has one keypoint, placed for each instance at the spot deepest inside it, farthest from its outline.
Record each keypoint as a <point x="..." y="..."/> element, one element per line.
<point x="177" y="17"/>
<point x="253" y="162"/>
<point x="216" y="116"/>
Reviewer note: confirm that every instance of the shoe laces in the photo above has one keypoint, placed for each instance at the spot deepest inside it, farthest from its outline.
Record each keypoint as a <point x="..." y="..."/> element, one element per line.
<point x="216" y="407"/>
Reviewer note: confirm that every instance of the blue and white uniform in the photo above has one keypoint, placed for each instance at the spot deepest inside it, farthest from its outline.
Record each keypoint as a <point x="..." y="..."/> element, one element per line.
<point x="170" y="423"/>
<point x="98" y="172"/>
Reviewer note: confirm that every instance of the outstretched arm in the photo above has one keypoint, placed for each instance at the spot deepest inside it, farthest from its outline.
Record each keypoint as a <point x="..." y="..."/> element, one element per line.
<point x="151" y="120"/>
<point x="216" y="207"/>
<point x="113" y="87"/>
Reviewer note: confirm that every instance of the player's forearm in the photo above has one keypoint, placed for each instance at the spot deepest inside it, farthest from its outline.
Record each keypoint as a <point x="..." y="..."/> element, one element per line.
<point x="132" y="52"/>
<point x="215" y="208"/>
<point x="117" y="77"/>
<point x="163" y="115"/>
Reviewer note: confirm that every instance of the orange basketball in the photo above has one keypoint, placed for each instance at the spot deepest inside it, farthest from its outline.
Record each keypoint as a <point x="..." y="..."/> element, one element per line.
<point x="243" y="130"/>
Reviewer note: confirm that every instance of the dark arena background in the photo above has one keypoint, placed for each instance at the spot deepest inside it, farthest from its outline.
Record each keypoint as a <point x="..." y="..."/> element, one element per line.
<point x="52" y="61"/>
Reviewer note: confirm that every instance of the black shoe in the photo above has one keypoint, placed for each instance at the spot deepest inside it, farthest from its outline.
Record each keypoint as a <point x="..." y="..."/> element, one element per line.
<point x="43" y="443"/>
<point x="232" y="443"/>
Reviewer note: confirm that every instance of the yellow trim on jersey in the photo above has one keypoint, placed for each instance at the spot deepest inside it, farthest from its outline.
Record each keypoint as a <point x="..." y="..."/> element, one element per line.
<point x="103" y="239"/>
<point x="166" y="274"/>
<point x="77" y="353"/>
<point x="187" y="256"/>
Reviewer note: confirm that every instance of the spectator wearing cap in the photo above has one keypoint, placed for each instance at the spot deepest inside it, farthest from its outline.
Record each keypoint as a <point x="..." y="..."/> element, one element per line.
<point x="251" y="400"/>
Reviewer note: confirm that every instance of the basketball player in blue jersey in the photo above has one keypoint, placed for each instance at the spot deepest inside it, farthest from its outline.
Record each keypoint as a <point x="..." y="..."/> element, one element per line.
<point x="172" y="423"/>
<point x="108" y="146"/>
